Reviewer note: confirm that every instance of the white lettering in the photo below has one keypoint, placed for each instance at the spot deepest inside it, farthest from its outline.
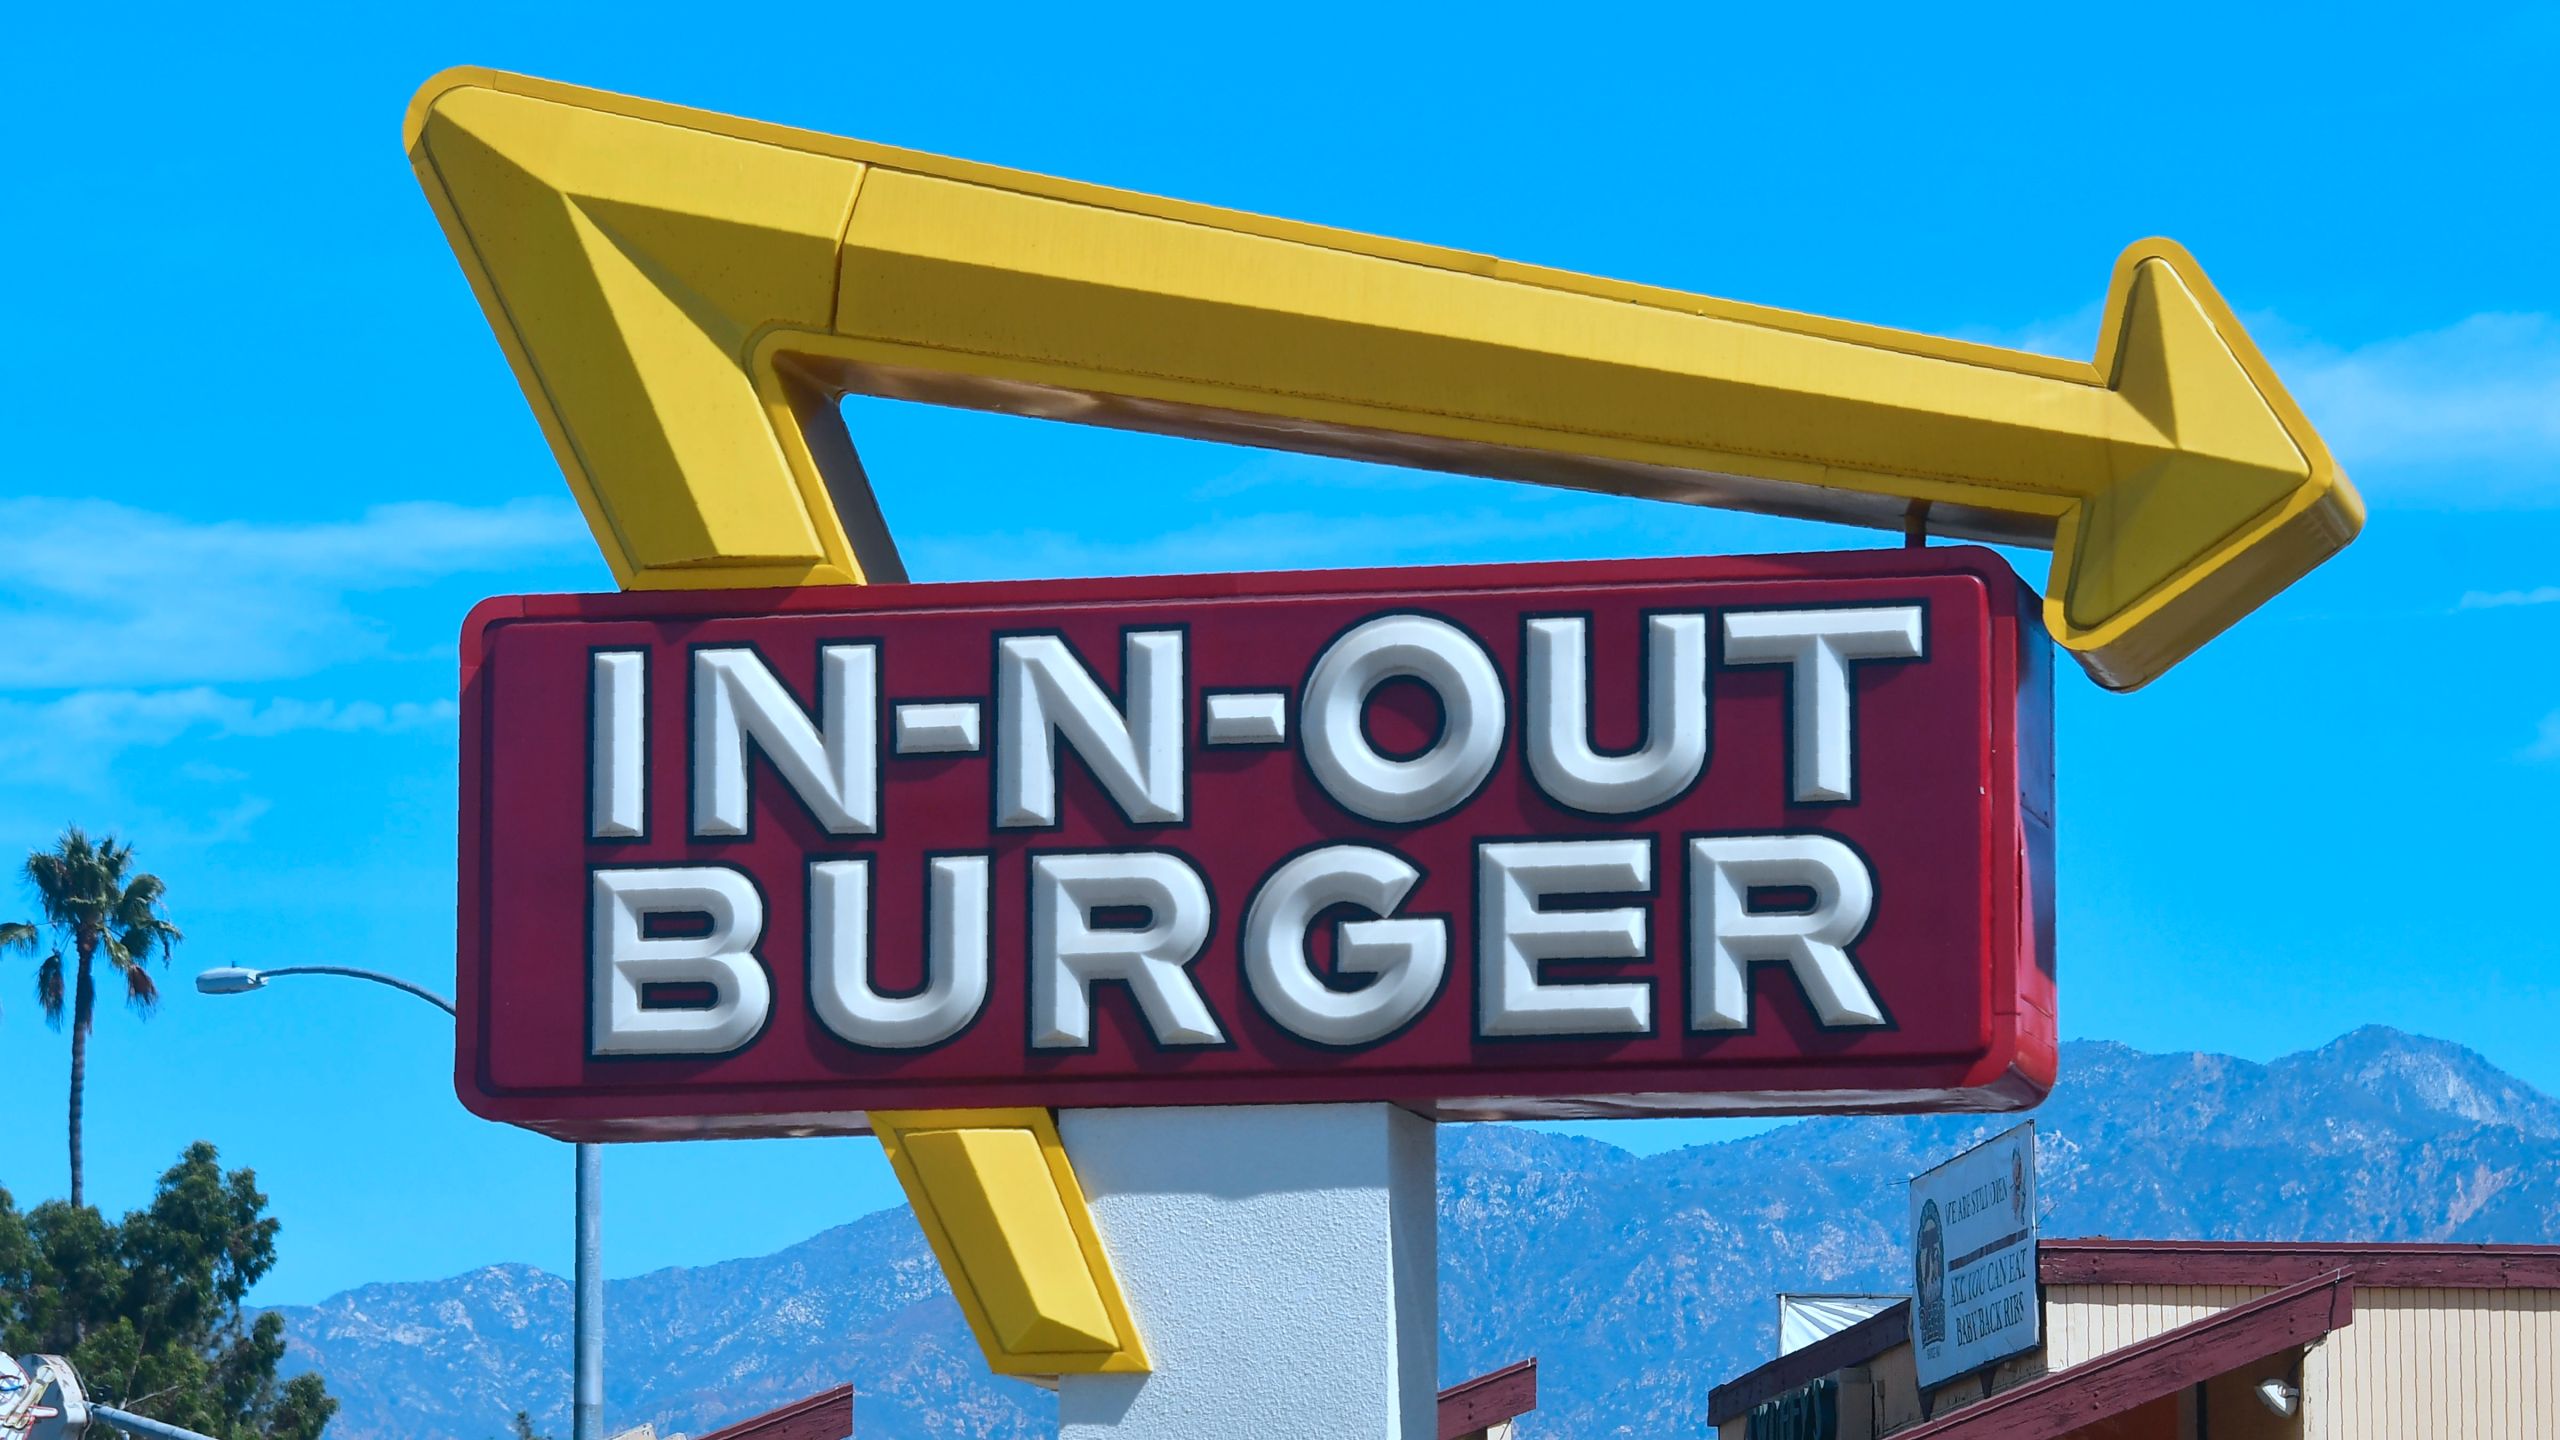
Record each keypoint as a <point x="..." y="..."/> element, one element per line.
<point x="1406" y="956"/>
<point x="1727" y="936"/>
<point x="833" y="766"/>
<point x="926" y="728"/>
<point x="627" y="960"/>
<point x="1558" y="722"/>
<point x="1818" y="646"/>
<point x="1514" y="937"/>
<point x="618" y="745"/>
<point x="1258" y="717"/>
<point x="1390" y="647"/>
<point x="955" y="979"/>
<point x="1044" y="694"/>
<point x="1069" y="952"/>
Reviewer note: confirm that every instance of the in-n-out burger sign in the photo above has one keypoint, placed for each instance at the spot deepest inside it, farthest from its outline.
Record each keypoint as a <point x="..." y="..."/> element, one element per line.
<point x="1652" y="837"/>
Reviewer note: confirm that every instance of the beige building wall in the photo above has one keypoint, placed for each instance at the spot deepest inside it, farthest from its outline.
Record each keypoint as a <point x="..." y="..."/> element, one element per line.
<point x="2416" y="1364"/>
<point x="2439" y="1365"/>
<point x="2083" y="1322"/>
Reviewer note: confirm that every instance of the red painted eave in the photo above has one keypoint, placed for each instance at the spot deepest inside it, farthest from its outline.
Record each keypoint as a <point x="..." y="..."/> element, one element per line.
<point x="1490" y="1399"/>
<point x="2123" y="1380"/>
<point x="824" y="1416"/>
<point x="2251" y="1262"/>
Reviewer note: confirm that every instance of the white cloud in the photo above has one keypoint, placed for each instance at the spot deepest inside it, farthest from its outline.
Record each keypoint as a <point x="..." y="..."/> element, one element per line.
<point x="70" y="741"/>
<point x="219" y="827"/>
<point x="2066" y="337"/>
<point x="2486" y="389"/>
<point x="2546" y="746"/>
<point x="2504" y="599"/>
<point x="1284" y="540"/>
<point x="2482" y="391"/>
<point x="97" y="593"/>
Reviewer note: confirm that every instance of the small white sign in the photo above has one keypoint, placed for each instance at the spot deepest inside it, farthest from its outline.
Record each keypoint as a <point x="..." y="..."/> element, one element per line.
<point x="1973" y="1259"/>
<point x="1803" y="1319"/>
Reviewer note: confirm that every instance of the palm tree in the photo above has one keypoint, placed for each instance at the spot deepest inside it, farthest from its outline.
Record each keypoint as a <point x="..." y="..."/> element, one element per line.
<point x="90" y="906"/>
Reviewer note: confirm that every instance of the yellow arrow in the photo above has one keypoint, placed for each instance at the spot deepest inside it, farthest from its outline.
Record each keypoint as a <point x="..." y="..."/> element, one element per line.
<point x="686" y="296"/>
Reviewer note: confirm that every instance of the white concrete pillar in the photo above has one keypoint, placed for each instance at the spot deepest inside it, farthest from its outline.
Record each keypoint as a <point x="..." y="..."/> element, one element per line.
<point x="1282" y="1266"/>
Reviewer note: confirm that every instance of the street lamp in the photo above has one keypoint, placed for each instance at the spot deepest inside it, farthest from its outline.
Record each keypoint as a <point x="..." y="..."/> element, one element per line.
<point x="233" y="980"/>
<point x="587" y="1304"/>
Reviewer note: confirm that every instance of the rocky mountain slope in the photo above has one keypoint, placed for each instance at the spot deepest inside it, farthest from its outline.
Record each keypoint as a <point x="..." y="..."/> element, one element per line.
<point x="1640" y="1283"/>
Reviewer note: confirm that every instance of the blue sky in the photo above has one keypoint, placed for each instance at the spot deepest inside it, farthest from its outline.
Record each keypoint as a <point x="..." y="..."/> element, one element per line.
<point x="263" y="454"/>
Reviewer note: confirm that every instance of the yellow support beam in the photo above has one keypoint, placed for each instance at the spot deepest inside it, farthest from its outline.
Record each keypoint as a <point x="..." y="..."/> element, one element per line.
<point x="686" y="296"/>
<point x="626" y="320"/>
<point x="1001" y="1207"/>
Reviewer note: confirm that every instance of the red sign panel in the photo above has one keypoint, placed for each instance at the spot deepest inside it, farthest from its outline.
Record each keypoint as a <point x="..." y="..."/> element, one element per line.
<point x="1656" y="837"/>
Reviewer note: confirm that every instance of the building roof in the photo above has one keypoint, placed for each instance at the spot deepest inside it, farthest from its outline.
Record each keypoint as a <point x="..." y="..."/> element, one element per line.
<point x="1472" y="1406"/>
<point x="2170" y="1262"/>
<point x="2252" y="1262"/>
<point x="1837" y="1351"/>
<point x="2120" y="1380"/>
<point x="824" y="1416"/>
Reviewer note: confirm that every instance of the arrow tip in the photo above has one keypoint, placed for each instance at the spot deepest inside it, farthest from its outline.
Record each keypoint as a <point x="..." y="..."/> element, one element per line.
<point x="2223" y="494"/>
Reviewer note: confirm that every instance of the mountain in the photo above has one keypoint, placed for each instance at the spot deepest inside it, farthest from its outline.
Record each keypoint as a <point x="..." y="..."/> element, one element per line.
<point x="1639" y="1282"/>
<point x="690" y="1349"/>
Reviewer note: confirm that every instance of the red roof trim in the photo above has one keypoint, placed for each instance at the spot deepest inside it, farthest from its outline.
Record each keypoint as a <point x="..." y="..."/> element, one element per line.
<point x="1488" y="1400"/>
<point x="2249" y="1262"/>
<point x="1838" y="1350"/>
<point x="2121" y="1380"/>
<point x="2171" y="1262"/>
<point x="826" y="1416"/>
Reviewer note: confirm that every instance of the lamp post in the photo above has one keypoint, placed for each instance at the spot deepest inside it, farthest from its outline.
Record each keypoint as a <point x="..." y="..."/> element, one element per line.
<point x="232" y="980"/>
<point x="587" y="1302"/>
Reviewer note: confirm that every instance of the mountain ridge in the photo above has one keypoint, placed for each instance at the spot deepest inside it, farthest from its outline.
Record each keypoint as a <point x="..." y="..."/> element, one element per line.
<point x="1639" y="1281"/>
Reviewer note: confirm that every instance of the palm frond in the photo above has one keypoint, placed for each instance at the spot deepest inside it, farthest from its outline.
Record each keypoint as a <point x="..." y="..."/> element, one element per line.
<point x="50" y="875"/>
<point x="147" y="933"/>
<point x="92" y="899"/>
<point x="78" y="878"/>
<point x="137" y="915"/>
<point x="130" y="954"/>
<point x="143" y="892"/>
<point x="141" y="992"/>
<point x="49" y="989"/>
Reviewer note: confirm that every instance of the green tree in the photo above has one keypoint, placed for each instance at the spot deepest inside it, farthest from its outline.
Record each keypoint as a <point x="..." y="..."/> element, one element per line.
<point x="150" y="1309"/>
<point x="90" y="905"/>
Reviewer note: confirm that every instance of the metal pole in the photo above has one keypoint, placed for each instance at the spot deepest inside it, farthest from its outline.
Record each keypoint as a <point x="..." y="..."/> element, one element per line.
<point x="586" y="1400"/>
<point x="143" y="1424"/>
<point x="587" y="1420"/>
<point x="376" y="976"/>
